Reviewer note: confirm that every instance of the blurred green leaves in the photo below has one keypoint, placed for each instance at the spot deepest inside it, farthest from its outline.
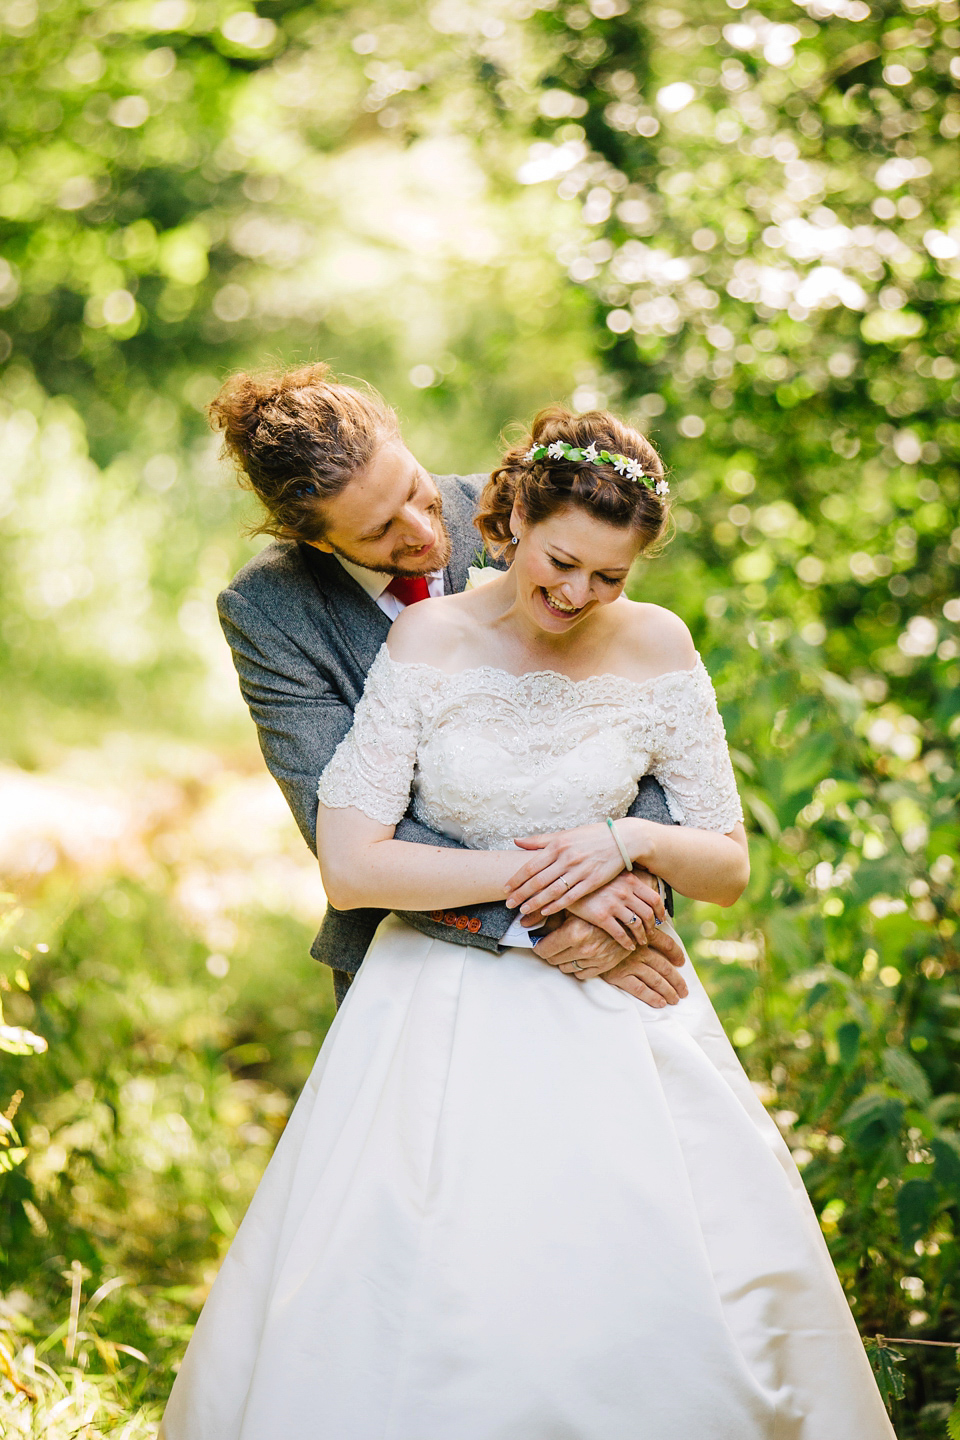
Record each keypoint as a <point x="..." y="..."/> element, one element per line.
<point x="146" y="1122"/>
<point x="738" y="225"/>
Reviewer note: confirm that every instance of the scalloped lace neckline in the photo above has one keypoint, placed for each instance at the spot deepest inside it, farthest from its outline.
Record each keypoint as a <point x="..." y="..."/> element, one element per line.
<point x="555" y="675"/>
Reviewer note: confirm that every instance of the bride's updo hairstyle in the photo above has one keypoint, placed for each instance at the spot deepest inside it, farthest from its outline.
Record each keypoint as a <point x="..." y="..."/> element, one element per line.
<point x="297" y="440"/>
<point x="542" y="487"/>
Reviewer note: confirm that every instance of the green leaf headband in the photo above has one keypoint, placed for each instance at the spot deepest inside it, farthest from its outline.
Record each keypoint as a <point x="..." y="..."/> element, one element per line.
<point x="590" y="455"/>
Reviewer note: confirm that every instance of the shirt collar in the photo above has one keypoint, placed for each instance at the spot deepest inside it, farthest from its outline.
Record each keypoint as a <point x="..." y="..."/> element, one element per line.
<point x="374" y="582"/>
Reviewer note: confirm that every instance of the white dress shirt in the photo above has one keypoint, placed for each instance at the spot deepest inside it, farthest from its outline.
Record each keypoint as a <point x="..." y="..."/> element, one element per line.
<point x="375" y="583"/>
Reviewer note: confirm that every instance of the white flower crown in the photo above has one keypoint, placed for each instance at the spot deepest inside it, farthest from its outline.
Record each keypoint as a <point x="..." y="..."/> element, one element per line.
<point x="590" y="455"/>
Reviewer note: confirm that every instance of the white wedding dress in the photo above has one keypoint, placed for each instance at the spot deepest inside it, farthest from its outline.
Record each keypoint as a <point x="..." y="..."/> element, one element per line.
<point x="509" y="1205"/>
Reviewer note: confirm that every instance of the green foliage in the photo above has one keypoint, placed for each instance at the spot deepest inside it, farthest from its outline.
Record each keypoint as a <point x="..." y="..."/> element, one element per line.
<point x="42" y="1403"/>
<point x="740" y="228"/>
<point x="175" y="204"/>
<point x="953" y="1419"/>
<point x="916" y="1204"/>
<point x="885" y="1361"/>
<point x="37" y="1400"/>
<point x="147" y="1125"/>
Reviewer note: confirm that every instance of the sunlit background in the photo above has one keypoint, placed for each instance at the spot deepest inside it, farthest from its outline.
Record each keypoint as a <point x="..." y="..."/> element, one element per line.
<point x="738" y="227"/>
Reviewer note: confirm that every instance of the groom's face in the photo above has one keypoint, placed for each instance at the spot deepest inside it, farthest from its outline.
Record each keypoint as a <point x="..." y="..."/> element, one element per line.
<point x="389" y="517"/>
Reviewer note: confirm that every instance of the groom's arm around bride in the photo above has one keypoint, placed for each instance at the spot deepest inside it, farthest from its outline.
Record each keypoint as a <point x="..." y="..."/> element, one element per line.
<point x="349" y="507"/>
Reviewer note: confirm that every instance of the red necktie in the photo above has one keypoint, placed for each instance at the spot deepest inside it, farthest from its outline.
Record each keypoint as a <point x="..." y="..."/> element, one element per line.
<point x="409" y="588"/>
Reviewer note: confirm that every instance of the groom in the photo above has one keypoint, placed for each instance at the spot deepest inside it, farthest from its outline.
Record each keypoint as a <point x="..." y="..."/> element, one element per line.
<point x="362" y="530"/>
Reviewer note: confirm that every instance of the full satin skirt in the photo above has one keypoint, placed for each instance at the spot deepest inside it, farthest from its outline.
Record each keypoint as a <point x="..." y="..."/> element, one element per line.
<point x="511" y="1206"/>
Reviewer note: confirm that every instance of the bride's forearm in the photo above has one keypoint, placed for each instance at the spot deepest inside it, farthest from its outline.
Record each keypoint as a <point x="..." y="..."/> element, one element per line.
<point x="701" y="864"/>
<point x="398" y="875"/>
<point x="361" y="864"/>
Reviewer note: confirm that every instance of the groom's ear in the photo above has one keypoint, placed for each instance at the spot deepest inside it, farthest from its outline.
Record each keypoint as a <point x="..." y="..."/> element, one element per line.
<point x="321" y="545"/>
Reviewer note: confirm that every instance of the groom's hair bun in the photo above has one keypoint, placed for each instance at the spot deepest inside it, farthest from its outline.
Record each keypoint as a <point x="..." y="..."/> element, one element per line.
<point x="542" y="487"/>
<point x="297" y="439"/>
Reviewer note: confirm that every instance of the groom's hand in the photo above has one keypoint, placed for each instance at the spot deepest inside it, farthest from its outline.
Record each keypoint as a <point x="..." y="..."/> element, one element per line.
<point x="651" y="973"/>
<point x="579" y="948"/>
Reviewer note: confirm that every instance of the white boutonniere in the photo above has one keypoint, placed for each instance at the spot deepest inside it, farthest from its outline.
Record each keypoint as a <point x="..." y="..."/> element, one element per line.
<point x="480" y="573"/>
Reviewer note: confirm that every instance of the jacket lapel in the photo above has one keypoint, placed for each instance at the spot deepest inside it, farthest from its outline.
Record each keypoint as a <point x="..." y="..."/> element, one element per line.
<point x="359" y="619"/>
<point x="361" y="623"/>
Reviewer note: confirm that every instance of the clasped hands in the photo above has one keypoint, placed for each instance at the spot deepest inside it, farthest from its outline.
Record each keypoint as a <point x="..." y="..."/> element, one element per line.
<point x="601" y="922"/>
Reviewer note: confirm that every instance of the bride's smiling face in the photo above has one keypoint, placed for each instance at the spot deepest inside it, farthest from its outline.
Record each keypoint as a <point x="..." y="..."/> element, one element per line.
<point x="568" y="565"/>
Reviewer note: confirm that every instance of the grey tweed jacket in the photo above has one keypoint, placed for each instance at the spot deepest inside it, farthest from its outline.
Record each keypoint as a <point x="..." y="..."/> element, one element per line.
<point x="303" y="635"/>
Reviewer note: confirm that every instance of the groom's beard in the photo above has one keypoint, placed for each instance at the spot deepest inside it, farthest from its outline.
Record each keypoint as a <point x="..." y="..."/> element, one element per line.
<point x="436" y="559"/>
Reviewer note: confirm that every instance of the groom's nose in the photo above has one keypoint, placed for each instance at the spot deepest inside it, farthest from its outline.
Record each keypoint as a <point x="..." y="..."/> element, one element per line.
<point x="417" y="527"/>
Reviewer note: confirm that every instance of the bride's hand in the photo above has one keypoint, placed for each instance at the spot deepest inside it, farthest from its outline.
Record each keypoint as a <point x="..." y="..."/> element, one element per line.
<point x="563" y="868"/>
<point x="628" y="908"/>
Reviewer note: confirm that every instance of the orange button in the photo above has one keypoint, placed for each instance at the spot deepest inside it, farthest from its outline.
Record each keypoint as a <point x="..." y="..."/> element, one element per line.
<point x="463" y="921"/>
<point x="474" y="925"/>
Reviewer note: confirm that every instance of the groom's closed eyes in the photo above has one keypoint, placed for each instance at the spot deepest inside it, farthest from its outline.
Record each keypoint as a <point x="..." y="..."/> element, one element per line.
<point x="379" y="531"/>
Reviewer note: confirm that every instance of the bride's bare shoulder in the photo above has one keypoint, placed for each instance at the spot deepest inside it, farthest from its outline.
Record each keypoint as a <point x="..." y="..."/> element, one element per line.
<point x="658" y="641"/>
<point x="432" y="632"/>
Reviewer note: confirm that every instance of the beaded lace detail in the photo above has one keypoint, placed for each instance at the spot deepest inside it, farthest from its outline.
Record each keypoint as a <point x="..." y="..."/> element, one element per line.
<point x="489" y="756"/>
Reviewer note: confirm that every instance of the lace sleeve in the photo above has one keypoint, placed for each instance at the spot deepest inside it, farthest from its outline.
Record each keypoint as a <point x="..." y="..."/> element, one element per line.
<point x="690" y="756"/>
<point x="372" y="767"/>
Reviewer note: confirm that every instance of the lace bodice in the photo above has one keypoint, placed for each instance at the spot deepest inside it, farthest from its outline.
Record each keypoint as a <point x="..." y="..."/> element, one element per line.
<point x="489" y="756"/>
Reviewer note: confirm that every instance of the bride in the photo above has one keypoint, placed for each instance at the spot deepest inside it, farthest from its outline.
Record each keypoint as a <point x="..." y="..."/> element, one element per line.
<point x="515" y="1204"/>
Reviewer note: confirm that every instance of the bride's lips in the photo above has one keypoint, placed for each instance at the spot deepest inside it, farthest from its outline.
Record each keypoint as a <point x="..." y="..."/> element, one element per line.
<point x="560" y="609"/>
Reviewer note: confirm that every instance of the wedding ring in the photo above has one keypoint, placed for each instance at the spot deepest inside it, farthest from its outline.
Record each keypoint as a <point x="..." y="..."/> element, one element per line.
<point x="576" y="965"/>
<point x="631" y="918"/>
<point x="566" y="882"/>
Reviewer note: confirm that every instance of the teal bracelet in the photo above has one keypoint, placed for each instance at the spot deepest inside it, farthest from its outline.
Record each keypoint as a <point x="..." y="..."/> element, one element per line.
<point x="627" y="862"/>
